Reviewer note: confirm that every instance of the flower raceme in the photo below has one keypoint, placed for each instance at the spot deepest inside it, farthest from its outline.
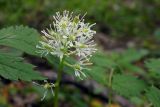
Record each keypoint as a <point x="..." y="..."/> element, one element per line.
<point x="69" y="36"/>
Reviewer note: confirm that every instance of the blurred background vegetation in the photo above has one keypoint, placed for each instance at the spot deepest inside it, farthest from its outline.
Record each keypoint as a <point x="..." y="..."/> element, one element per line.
<point x="119" y="18"/>
<point x="120" y="24"/>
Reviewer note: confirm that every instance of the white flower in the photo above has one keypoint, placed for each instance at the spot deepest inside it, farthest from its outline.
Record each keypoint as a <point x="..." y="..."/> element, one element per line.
<point x="85" y="28"/>
<point x="85" y="46"/>
<point x="79" y="67"/>
<point x="68" y="36"/>
<point x="47" y="86"/>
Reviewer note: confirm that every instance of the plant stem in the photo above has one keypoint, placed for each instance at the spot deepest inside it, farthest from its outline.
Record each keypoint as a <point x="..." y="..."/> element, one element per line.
<point x="60" y="69"/>
<point x="110" y="86"/>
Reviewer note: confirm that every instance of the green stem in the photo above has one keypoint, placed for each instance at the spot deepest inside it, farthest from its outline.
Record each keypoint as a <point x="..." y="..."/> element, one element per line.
<point x="60" y="69"/>
<point x="110" y="86"/>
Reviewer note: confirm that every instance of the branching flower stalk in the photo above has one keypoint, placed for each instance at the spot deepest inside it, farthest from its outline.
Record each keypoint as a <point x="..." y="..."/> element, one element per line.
<point x="68" y="36"/>
<point x="47" y="86"/>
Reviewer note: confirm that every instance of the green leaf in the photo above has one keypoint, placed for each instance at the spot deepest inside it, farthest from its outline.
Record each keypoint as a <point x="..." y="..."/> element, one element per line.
<point x="133" y="68"/>
<point x="102" y="60"/>
<point x="102" y="64"/>
<point x="77" y="100"/>
<point x="153" y="94"/>
<point x="12" y="51"/>
<point x="137" y="100"/>
<point x="13" y="68"/>
<point x="20" y="37"/>
<point x="126" y="59"/>
<point x="153" y="65"/>
<point x="132" y="55"/>
<point x="98" y="74"/>
<point x="127" y="85"/>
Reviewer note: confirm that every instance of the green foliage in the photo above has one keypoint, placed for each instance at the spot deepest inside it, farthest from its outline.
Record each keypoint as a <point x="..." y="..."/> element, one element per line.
<point x="25" y="39"/>
<point x="98" y="71"/>
<point x="101" y="66"/>
<point x="127" y="85"/>
<point x="14" y="68"/>
<point x="127" y="18"/>
<point x="78" y="101"/>
<point x="98" y="74"/>
<point x="153" y="65"/>
<point x="126" y="59"/>
<point x="137" y="100"/>
<point x="122" y="18"/>
<point x="132" y="55"/>
<point x="102" y="60"/>
<point x="20" y="37"/>
<point x="153" y="94"/>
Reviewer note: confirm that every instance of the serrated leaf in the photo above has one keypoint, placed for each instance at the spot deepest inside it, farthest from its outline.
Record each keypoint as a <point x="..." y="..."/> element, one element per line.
<point x="153" y="65"/>
<point x="153" y="94"/>
<point x="137" y="100"/>
<point x="11" y="51"/>
<point x="133" y="68"/>
<point x="98" y="74"/>
<point x="127" y="85"/>
<point x="126" y="59"/>
<point x="101" y="67"/>
<point x="20" y="37"/>
<point x="102" y="60"/>
<point x="13" y="68"/>
<point x="132" y="55"/>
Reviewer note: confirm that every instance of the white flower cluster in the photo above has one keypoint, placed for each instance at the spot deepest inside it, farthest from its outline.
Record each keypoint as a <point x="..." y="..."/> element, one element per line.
<point x="69" y="36"/>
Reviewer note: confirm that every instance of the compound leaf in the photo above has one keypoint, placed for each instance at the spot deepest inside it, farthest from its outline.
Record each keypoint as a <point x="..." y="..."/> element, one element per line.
<point x="153" y="65"/>
<point x="20" y="37"/>
<point x="153" y="95"/>
<point x="14" y="68"/>
<point x="127" y="85"/>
